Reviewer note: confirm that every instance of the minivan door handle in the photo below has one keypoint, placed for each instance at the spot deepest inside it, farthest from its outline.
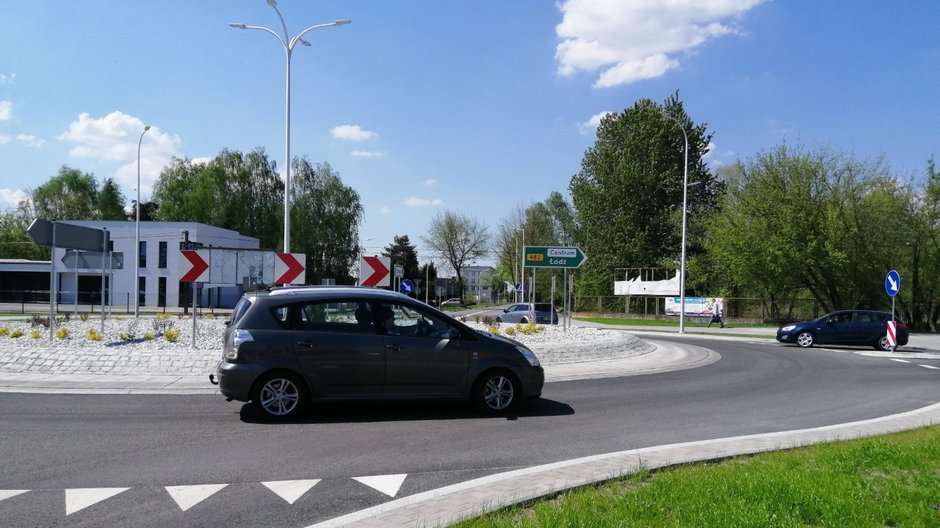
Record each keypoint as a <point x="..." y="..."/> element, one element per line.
<point x="306" y="344"/>
<point x="394" y="348"/>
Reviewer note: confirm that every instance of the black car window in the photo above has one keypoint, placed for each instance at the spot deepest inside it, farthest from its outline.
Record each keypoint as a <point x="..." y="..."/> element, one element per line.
<point x="333" y="316"/>
<point x="543" y="307"/>
<point x="841" y="317"/>
<point x="240" y="309"/>
<point x="867" y="317"/>
<point x="399" y="319"/>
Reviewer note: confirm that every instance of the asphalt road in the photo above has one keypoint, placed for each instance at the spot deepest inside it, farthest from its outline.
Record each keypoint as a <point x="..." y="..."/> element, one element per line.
<point x="50" y="444"/>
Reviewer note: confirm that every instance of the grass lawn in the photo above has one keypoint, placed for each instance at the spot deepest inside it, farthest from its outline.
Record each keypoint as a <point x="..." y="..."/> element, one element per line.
<point x="876" y="482"/>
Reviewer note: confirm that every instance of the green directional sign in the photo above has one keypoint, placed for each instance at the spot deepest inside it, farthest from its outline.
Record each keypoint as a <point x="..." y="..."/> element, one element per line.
<point x="553" y="257"/>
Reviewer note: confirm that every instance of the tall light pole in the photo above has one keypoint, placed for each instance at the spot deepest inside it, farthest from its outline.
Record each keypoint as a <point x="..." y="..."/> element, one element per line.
<point x="288" y="43"/>
<point x="137" y="232"/>
<point x="685" y="210"/>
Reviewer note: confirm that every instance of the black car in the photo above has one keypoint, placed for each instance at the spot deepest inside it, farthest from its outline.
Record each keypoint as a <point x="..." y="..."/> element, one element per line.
<point x="288" y="346"/>
<point x="846" y="327"/>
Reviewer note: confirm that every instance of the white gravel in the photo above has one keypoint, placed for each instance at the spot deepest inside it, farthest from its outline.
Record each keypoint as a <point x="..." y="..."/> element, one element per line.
<point x="149" y="351"/>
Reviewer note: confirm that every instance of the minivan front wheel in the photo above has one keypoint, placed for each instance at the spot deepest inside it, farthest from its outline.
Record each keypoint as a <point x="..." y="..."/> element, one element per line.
<point x="805" y="339"/>
<point x="496" y="392"/>
<point x="280" y="396"/>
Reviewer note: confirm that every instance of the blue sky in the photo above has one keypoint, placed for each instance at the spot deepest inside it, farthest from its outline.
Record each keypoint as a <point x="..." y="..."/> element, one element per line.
<point x="475" y="106"/>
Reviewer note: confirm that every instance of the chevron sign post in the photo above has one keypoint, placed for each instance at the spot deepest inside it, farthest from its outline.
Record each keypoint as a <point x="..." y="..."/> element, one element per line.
<point x="374" y="271"/>
<point x="289" y="268"/>
<point x="194" y="266"/>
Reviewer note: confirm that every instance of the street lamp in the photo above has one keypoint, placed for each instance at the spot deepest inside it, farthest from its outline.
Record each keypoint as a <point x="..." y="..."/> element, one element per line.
<point x="137" y="232"/>
<point x="685" y="200"/>
<point x="288" y="43"/>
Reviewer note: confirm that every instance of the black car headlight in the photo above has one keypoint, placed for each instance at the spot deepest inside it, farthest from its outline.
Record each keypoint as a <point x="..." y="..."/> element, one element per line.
<point x="529" y="355"/>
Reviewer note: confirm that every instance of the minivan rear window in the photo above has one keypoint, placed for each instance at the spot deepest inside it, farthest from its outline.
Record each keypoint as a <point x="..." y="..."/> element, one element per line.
<point x="240" y="309"/>
<point x="543" y="307"/>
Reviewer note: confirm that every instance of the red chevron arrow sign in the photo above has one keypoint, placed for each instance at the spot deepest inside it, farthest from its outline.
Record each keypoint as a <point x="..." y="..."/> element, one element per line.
<point x="194" y="266"/>
<point x="289" y="268"/>
<point x="373" y="271"/>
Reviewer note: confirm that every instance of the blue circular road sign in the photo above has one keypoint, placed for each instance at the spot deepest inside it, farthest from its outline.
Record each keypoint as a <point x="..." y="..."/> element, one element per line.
<point x="893" y="283"/>
<point x="406" y="286"/>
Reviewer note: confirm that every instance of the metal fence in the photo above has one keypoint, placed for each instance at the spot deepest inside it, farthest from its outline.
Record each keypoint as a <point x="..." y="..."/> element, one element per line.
<point x="743" y="309"/>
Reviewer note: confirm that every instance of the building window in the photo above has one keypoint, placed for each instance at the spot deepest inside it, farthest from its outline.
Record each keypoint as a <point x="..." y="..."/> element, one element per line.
<point x="162" y="257"/>
<point x="161" y="289"/>
<point x="142" y="290"/>
<point x="142" y="254"/>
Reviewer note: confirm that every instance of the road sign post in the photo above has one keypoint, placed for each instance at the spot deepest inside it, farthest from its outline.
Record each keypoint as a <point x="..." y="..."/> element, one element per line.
<point x="892" y="287"/>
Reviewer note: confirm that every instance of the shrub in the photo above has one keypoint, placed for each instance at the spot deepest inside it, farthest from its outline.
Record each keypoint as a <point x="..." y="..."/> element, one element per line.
<point x="493" y="329"/>
<point x="208" y="316"/>
<point x="39" y="320"/>
<point x="62" y="333"/>
<point x="126" y="336"/>
<point x="162" y="324"/>
<point x="4" y="331"/>
<point x="18" y="333"/>
<point x="171" y="335"/>
<point x="93" y="335"/>
<point x="163" y="316"/>
<point x="35" y="334"/>
<point x="83" y="316"/>
<point x="149" y="336"/>
<point x="510" y="330"/>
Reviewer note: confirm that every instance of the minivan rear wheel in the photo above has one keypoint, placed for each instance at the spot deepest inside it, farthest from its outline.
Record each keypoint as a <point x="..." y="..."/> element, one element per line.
<point x="280" y="396"/>
<point x="883" y="343"/>
<point x="496" y="391"/>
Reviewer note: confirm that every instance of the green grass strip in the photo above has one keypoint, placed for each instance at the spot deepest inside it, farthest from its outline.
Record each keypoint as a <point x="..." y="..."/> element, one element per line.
<point x="889" y="481"/>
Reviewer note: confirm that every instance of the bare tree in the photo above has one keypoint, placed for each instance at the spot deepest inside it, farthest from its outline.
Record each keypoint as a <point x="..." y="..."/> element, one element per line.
<point x="459" y="239"/>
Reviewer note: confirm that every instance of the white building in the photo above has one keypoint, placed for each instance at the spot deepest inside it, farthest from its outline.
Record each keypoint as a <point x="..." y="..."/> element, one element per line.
<point x="159" y="255"/>
<point x="476" y="280"/>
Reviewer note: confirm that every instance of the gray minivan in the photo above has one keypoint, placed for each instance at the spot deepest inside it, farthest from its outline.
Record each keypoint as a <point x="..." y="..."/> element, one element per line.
<point x="288" y="346"/>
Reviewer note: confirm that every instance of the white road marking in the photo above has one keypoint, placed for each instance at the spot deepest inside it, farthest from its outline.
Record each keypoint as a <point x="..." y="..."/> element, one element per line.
<point x="81" y="498"/>
<point x="6" y="494"/>
<point x="387" y="484"/>
<point x="188" y="496"/>
<point x="900" y="360"/>
<point x="929" y="367"/>
<point x="291" y="490"/>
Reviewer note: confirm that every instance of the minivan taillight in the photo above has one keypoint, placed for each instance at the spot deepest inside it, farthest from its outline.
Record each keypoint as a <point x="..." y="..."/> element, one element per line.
<point x="900" y="325"/>
<point x="235" y="341"/>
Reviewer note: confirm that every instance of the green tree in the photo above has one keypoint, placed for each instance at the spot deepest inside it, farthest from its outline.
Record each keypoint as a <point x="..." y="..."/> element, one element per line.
<point x="70" y="195"/>
<point x="795" y="221"/>
<point x="628" y="193"/>
<point x="427" y="277"/>
<point x="110" y="201"/>
<point x="325" y="218"/>
<point x="14" y="242"/>
<point x="459" y="239"/>
<point x="235" y="191"/>
<point x="403" y="253"/>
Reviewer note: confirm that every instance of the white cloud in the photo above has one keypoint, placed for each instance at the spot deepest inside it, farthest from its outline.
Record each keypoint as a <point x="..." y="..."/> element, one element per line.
<point x="367" y="154"/>
<point x="6" y="110"/>
<point x="5" y="139"/>
<point x="384" y="210"/>
<point x="114" y="138"/>
<point x="430" y="183"/>
<point x="639" y="39"/>
<point x="30" y="140"/>
<point x="202" y="160"/>
<point x="7" y="79"/>
<point x="422" y="202"/>
<point x="10" y="198"/>
<point x="352" y="133"/>
<point x="591" y="124"/>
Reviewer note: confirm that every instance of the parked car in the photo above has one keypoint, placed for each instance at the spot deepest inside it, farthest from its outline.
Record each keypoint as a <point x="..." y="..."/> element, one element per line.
<point x="845" y="327"/>
<point x="286" y="347"/>
<point x="453" y="301"/>
<point x="540" y="313"/>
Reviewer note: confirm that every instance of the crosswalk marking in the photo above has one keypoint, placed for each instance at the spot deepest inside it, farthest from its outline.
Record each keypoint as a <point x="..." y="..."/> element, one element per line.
<point x="291" y="490"/>
<point x="387" y="484"/>
<point x="6" y="494"/>
<point x="188" y="496"/>
<point x="81" y="498"/>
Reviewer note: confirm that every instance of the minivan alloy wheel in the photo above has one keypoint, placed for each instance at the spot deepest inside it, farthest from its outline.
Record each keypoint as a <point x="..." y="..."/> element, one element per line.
<point x="805" y="339"/>
<point x="496" y="392"/>
<point x="279" y="396"/>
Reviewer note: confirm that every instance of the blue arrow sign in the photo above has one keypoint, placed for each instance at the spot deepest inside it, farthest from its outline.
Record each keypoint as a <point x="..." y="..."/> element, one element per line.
<point x="406" y="286"/>
<point x="892" y="283"/>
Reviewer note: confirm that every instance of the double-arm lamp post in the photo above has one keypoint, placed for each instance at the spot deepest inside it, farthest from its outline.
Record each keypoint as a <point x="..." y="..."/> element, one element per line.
<point x="288" y="43"/>
<point x="685" y="210"/>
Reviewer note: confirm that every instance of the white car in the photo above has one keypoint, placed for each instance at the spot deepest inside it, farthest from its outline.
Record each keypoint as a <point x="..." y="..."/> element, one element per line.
<point x="454" y="301"/>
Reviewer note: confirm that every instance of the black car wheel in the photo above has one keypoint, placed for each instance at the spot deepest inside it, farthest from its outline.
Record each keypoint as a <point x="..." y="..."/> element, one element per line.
<point x="499" y="319"/>
<point x="280" y="396"/>
<point x="883" y="343"/>
<point x="524" y="321"/>
<point x="496" y="391"/>
<point x="805" y="339"/>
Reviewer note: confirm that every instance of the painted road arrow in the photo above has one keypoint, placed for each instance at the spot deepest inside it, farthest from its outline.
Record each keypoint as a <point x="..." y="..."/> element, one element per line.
<point x="373" y="271"/>
<point x="194" y="266"/>
<point x="289" y="268"/>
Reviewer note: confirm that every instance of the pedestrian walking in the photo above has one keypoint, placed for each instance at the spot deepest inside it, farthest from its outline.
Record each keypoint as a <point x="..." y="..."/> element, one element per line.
<point x="717" y="313"/>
